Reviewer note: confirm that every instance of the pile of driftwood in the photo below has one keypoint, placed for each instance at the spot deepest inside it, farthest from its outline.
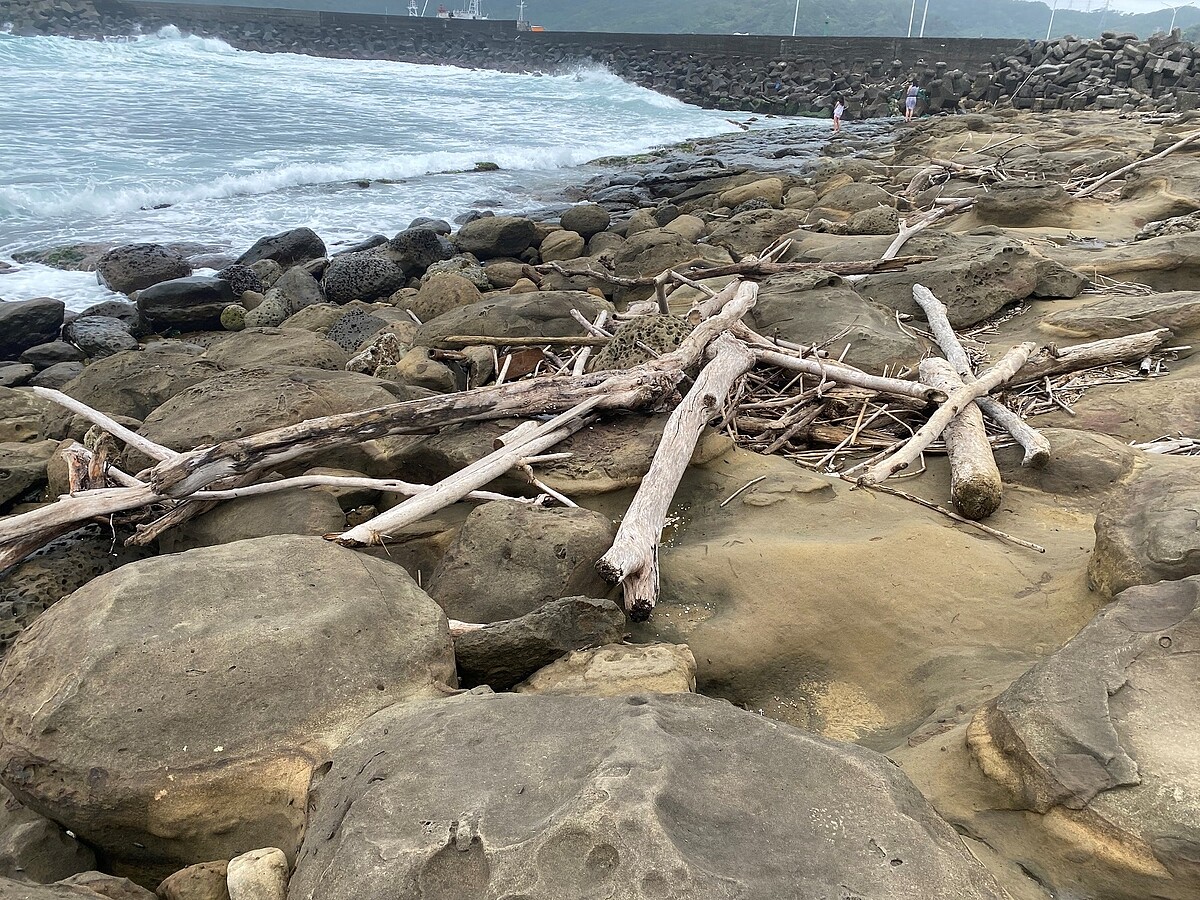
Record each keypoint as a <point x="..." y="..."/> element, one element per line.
<point x="947" y="401"/>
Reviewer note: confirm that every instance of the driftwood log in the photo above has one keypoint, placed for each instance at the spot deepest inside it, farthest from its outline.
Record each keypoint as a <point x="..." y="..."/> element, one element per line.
<point x="975" y="486"/>
<point x="1037" y="448"/>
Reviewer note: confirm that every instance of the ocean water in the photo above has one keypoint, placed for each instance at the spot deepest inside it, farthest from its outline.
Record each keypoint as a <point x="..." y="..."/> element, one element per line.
<point x="183" y="139"/>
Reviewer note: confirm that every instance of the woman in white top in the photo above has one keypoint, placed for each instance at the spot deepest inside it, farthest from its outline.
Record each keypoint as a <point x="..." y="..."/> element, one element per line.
<point x="838" y="108"/>
<point x="910" y="100"/>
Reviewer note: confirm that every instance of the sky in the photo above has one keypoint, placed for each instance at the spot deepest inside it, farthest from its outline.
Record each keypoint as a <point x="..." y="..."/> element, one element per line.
<point x="1137" y="6"/>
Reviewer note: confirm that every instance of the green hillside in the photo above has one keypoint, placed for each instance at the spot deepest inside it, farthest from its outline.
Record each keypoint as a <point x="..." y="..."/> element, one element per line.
<point x="946" y="18"/>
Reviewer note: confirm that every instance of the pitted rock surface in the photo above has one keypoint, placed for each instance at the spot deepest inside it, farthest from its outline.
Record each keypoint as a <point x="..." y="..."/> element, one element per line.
<point x="662" y="797"/>
<point x="242" y="278"/>
<point x="361" y="276"/>
<point x="353" y="328"/>
<point x="640" y="340"/>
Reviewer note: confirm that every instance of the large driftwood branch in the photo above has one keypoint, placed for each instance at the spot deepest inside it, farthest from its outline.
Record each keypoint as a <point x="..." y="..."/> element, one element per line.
<point x="975" y="486"/>
<point x="1125" y="170"/>
<point x="106" y="423"/>
<point x="526" y="440"/>
<point x="1050" y="361"/>
<point x="1001" y="372"/>
<point x="840" y="374"/>
<point x="936" y="215"/>
<point x="633" y="558"/>
<point x="1037" y="448"/>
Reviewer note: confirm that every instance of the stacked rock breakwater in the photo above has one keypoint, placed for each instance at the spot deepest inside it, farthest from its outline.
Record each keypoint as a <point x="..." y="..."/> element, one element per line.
<point x="551" y="556"/>
<point x="786" y="76"/>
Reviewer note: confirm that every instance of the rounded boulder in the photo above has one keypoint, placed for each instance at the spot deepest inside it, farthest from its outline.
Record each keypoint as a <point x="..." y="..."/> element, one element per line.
<point x="175" y="710"/>
<point x="136" y="266"/>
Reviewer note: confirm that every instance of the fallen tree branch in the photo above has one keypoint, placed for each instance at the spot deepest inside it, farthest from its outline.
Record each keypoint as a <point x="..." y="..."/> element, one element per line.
<point x="907" y="231"/>
<point x="117" y="430"/>
<point x="1052" y="360"/>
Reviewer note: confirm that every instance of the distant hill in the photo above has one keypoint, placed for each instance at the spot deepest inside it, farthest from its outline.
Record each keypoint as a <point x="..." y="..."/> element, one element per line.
<point x="947" y="18"/>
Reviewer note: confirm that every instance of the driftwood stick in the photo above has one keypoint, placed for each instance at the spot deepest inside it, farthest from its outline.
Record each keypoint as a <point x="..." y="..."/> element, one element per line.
<point x="385" y="485"/>
<point x="842" y="374"/>
<point x="458" y="341"/>
<point x="525" y="441"/>
<point x="71" y="510"/>
<point x="752" y="268"/>
<point x="596" y="328"/>
<point x="1001" y="372"/>
<point x="1037" y="448"/>
<point x="633" y="558"/>
<point x="975" y="486"/>
<point x="1125" y="170"/>
<point x="1051" y="360"/>
<point x="117" y="430"/>
<point x="907" y="231"/>
<point x="629" y="389"/>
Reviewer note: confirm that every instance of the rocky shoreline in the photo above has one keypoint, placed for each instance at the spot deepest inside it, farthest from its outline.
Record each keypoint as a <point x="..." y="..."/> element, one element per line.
<point x="1117" y="71"/>
<point x="833" y="688"/>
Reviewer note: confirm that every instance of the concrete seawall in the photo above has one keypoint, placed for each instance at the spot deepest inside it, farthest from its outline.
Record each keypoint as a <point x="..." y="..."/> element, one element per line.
<point x="757" y="73"/>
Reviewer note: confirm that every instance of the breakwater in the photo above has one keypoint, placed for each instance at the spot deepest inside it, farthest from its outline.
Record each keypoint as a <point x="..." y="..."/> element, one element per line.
<point x="756" y="73"/>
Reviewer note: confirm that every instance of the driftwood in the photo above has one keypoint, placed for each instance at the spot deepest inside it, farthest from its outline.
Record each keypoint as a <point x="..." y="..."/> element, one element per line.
<point x="907" y="230"/>
<point x="525" y="440"/>
<point x="1001" y="372"/>
<point x="841" y="374"/>
<point x="633" y="558"/>
<point x="458" y="341"/>
<point x="975" y="487"/>
<point x="1037" y="448"/>
<point x="1052" y="360"/>
<point x="1125" y="170"/>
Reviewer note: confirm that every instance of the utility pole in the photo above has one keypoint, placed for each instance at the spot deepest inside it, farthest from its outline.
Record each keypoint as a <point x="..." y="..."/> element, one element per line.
<point x="1053" y="10"/>
<point x="796" y="19"/>
<point x="924" y="15"/>
<point x="912" y="15"/>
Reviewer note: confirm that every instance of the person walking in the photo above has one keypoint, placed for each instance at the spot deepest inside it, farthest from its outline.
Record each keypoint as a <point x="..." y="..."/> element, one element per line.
<point x="910" y="100"/>
<point x="838" y="109"/>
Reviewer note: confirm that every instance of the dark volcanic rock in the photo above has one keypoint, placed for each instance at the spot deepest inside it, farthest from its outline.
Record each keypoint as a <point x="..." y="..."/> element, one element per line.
<point x="133" y="267"/>
<point x="661" y="797"/>
<point x="494" y="236"/>
<point x="99" y="335"/>
<point x="186" y="304"/>
<point x="361" y="276"/>
<point x="43" y="356"/>
<point x="509" y="651"/>
<point x="27" y="323"/>
<point x="288" y="248"/>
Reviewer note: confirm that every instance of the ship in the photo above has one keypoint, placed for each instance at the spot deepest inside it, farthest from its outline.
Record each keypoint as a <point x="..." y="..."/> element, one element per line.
<point x="473" y="11"/>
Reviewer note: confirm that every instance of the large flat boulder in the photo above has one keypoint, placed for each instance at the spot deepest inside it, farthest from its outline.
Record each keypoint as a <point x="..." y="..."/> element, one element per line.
<point x="288" y="248"/>
<point x="277" y="347"/>
<point x="135" y="383"/>
<point x="1099" y="739"/>
<point x="187" y="700"/>
<point x="632" y="797"/>
<point x="1121" y="315"/>
<point x="1167" y="263"/>
<point x="489" y="237"/>
<point x="27" y="323"/>
<point x="132" y="267"/>
<point x="185" y="304"/>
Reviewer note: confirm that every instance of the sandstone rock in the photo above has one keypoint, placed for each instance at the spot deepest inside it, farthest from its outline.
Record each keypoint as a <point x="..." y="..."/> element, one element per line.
<point x="586" y="219"/>
<point x="690" y="228"/>
<point x="768" y="189"/>
<point x="442" y="293"/>
<point x="493" y="236"/>
<point x="523" y="286"/>
<point x="310" y="511"/>
<point x="22" y="467"/>
<point x="617" y="670"/>
<point x="505" y="652"/>
<point x="466" y="266"/>
<point x="258" y="875"/>
<point x="135" y="383"/>
<point x="604" y="242"/>
<point x="540" y="314"/>
<point x="43" y="356"/>
<point x="11" y="889"/>
<point x="288" y="248"/>
<point x="815" y="307"/>
<point x="27" y="323"/>
<point x="1056" y="281"/>
<point x="880" y="220"/>
<point x="562" y="245"/>
<point x="1168" y="263"/>
<point x="186" y="696"/>
<point x="1080" y="463"/>
<point x="99" y="336"/>
<point x="361" y="276"/>
<point x="512" y="558"/>
<point x="268" y="271"/>
<point x="654" y="251"/>
<point x="1149" y="530"/>
<point x="277" y="346"/>
<point x="133" y="267"/>
<point x="502" y="274"/>
<point x="1025" y="203"/>
<point x="1096" y="738"/>
<point x="21" y="415"/>
<point x="1120" y="315"/>
<point x="800" y="198"/>
<point x="16" y="374"/>
<point x="604" y="821"/>
<point x="419" y="369"/>
<point x="856" y="197"/>
<point x="185" y="304"/>
<point x="1137" y="411"/>
<point x="269" y="314"/>
<point x="246" y="401"/>
<point x="754" y="231"/>
<point x="641" y="221"/>
<point x="35" y="849"/>
<point x="109" y="886"/>
<point x="202" y="881"/>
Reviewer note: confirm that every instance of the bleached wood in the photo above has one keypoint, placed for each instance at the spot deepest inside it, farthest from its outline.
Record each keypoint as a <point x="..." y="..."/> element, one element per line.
<point x="975" y="486"/>
<point x="116" y="429"/>
<point x="1050" y="361"/>
<point x="1125" y="170"/>
<point x="633" y="558"/>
